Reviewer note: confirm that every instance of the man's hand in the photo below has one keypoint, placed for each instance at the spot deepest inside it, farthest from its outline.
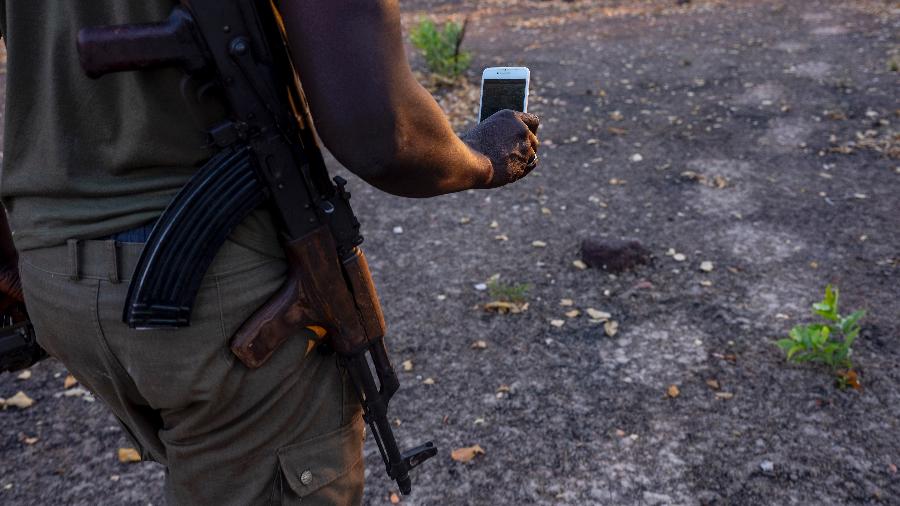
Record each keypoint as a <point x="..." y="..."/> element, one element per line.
<point x="508" y="138"/>
<point x="12" y="303"/>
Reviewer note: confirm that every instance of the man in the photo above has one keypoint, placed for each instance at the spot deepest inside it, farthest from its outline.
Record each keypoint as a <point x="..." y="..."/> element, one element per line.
<point x="88" y="167"/>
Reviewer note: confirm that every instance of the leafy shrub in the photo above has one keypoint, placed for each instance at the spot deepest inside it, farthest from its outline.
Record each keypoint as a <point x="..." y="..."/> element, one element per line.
<point x="441" y="47"/>
<point x="829" y="343"/>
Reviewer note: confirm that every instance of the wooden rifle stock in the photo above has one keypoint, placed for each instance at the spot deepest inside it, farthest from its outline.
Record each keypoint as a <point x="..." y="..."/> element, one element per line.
<point x="320" y="291"/>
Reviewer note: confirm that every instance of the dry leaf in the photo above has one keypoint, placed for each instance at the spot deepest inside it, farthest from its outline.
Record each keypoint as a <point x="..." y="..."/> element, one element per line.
<point x="503" y="307"/>
<point x="466" y="454"/>
<point x="24" y="375"/>
<point x="611" y="327"/>
<point x="428" y="381"/>
<point x="616" y="181"/>
<point x="566" y="302"/>
<point x="20" y="400"/>
<point x="573" y="313"/>
<point x="596" y="314"/>
<point x="30" y="440"/>
<point x="395" y="499"/>
<point x="494" y="224"/>
<point x="850" y="378"/>
<point x="724" y="395"/>
<point x="129" y="455"/>
<point x="479" y="345"/>
<point x="579" y="265"/>
<point x="501" y="237"/>
<point x="557" y="323"/>
<point x="407" y="365"/>
<point x="70" y="382"/>
<point x="616" y="130"/>
<point x="713" y="383"/>
<point x="546" y="210"/>
<point x="673" y="391"/>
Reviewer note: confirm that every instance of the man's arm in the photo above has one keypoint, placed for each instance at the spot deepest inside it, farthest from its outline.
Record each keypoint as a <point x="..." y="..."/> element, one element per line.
<point x="377" y="120"/>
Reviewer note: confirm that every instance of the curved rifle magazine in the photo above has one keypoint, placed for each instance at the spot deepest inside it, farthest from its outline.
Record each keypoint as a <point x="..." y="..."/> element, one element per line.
<point x="186" y="238"/>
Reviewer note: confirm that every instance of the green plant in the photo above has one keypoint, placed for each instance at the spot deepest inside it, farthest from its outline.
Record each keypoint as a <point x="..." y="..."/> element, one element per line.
<point x="517" y="292"/>
<point x="829" y="343"/>
<point x="441" y="47"/>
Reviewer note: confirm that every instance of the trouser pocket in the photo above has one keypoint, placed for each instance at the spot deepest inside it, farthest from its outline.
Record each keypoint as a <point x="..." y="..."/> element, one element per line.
<point x="325" y="470"/>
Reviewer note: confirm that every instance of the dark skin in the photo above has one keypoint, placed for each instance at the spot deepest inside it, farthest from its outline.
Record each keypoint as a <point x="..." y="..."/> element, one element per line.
<point x="373" y="115"/>
<point x="378" y="121"/>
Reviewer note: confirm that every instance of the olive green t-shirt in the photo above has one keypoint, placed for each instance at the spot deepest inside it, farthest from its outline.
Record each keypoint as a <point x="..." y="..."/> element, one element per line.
<point x="87" y="158"/>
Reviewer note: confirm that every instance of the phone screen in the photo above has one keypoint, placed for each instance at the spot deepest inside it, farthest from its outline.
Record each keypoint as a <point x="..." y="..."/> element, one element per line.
<point x="499" y="94"/>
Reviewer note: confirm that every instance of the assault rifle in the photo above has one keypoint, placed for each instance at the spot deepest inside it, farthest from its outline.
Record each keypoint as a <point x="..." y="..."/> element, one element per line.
<point x="18" y="347"/>
<point x="267" y="152"/>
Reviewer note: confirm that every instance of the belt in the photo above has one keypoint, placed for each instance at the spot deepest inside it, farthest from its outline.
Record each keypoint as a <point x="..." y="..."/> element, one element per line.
<point x="138" y="234"/>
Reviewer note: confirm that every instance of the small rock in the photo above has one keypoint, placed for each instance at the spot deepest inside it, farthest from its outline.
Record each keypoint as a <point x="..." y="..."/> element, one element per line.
<point x="557" y="323"/>
<point x="398" y="230"/>
<point x="539" y="244"/>
<point x="654" y="499"/>
<point x="566" y="302"/>
<point x="636" y="157"/>
<point x="706" y="266"/>
<point x="614" y="255"/>
<point x="479" y="345"/>
<point x="679" y="257"/>
<point x="481" y="286"/>
<point x="580" y="265"/>
<point x="24" y="375"/>
<point x="767" y="466"/>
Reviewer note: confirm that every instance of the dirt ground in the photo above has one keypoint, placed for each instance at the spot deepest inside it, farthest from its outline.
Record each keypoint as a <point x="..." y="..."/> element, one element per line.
<point x="792" y="104"/>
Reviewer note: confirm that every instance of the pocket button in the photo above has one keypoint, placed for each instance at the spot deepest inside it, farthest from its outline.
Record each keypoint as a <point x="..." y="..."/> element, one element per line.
<point x="306" y="477"/>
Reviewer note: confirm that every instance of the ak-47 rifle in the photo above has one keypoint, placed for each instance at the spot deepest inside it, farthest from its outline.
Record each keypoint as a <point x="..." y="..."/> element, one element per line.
<point x="18" y="347"/>
<point x="267" y="152"/>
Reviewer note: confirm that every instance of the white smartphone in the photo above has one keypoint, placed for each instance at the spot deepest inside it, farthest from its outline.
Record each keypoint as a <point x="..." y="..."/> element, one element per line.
<point x="503" y="88"/>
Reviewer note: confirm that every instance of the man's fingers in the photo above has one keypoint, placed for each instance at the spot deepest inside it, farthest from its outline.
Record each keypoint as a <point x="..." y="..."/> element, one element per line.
<point x="533" y="140"/>
<point x="531" y="120"/>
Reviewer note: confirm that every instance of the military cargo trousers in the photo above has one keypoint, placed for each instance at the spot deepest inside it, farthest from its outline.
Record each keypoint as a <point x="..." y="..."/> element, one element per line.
<point x="287" y="433"/>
